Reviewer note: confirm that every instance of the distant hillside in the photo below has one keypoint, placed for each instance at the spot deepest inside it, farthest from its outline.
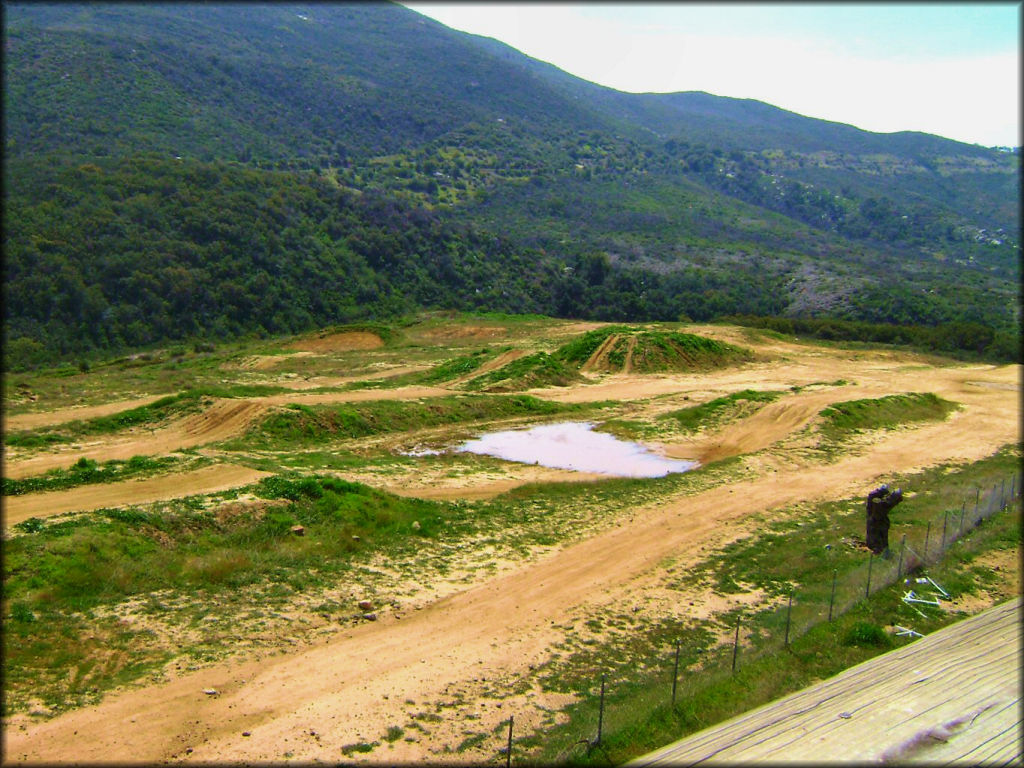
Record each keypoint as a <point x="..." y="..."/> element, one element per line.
<point x="176" y="169"/>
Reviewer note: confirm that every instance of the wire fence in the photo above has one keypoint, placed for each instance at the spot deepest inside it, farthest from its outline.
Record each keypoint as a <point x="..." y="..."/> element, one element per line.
<point x="925" y="543"/>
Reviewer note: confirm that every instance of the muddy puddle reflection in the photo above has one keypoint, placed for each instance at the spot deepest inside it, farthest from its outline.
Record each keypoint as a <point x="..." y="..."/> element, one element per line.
<point x="574" y="445"/>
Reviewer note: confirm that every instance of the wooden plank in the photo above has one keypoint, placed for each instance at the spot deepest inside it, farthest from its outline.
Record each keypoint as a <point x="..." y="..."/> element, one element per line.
<point x="951" y="696"/>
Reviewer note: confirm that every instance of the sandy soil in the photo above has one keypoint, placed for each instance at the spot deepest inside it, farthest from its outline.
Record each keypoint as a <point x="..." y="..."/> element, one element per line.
<point x="350" y="688"/>
<point x="340" y="342"/>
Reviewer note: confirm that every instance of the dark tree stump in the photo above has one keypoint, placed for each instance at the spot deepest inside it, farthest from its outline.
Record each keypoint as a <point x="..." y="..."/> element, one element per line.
<point x="880" y="503"/>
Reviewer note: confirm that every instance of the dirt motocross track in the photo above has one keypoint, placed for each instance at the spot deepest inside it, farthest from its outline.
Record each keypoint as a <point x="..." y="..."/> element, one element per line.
<point x="307" y="704"/>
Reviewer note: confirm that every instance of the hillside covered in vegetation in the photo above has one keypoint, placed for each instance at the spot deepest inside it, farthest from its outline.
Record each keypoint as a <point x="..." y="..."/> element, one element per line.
<point x="179" y="172"/>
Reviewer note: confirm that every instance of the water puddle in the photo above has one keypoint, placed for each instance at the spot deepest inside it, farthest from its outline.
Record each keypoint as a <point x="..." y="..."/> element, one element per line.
<point x="574" y="445"/>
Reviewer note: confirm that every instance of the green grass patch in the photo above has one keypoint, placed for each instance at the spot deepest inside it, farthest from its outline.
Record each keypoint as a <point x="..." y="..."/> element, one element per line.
<point x="299" y="424"/>
<point x="653" y="351"/>
<point x="884" y="412"/>
<point x="458" y="367"/>
<point x="580" y="349"/>
<point x="656" y="352"/>
<point x="537" y="370"/>
<point x="721" y="408"/>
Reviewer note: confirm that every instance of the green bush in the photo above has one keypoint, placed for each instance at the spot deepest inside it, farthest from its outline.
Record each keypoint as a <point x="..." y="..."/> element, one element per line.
<point x="864" y="633"/>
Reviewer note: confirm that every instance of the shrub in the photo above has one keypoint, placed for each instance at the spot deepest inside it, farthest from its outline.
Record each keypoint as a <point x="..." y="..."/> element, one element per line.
<point x="864" y="633"/>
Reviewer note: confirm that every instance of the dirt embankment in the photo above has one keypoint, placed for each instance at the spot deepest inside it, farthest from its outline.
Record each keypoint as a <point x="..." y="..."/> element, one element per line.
<point x="220" y="421"/>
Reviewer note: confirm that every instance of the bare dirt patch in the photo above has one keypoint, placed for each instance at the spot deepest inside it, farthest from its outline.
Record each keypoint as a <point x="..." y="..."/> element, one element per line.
<point x="461" y="332"/>
<point x="266" y="362"/>
<point x="346" y="341"/>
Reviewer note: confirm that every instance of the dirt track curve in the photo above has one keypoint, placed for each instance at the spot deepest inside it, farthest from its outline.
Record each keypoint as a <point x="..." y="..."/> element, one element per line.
<point x="311" y="702"/>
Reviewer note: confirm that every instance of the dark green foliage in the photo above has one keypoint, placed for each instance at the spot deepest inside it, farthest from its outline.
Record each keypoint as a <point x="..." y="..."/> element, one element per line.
<point x="961" y="339"/>
<point x="220" y="246"/>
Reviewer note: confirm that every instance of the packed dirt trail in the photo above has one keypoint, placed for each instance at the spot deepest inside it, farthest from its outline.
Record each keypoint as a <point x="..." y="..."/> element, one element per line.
<point x="74" y="413"/>
<point x="312" y="702"/>
<point x="220" y="477"/>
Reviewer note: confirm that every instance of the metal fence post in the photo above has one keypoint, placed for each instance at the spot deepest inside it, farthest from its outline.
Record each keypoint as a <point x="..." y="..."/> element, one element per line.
<point x="867" y="589"/>
<point x="960" y="533"/>
<point x="600" y="713"/>
<point x="789" y="610"/>
<point x="675" y="676"/>
<point x="832" y="599"/>
<point x="945" y="520"/>
<point x="508" y="754"/>
<point x="736" y="644"/>
<point x="1002" y="492"/>
<point x="899" y="568"/>
<point x="927" y="535"/>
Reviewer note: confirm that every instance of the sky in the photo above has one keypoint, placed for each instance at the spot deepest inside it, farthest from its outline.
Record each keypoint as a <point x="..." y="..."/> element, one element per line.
<point x="951" y="69"/>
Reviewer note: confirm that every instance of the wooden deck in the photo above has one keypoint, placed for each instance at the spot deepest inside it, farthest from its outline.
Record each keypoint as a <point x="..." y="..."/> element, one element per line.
<point x="951" y="696"/>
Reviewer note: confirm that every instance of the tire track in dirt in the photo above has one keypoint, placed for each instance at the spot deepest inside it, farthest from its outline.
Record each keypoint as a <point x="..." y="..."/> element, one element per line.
<point x="770" y="424"/>
<point x="141" y="491"/>
<point x="596" y="361"/>
<point x="350" y="688"/>
<point x="491" y="365"/>
<point x="628" y="365"/>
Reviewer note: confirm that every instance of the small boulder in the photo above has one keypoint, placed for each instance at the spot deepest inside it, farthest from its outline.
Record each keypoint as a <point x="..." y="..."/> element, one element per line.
<point x="365" y="605"/>
<point x="370" y="616"/>
<point x="298" y="530"/>
<point x="416" y="525"/>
